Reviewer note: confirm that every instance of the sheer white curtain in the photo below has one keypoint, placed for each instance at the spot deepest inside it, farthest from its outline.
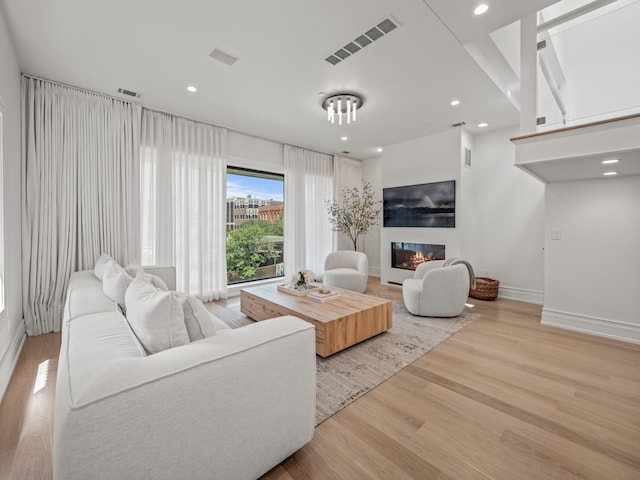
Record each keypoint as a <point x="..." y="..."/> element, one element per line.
<point x="347" y="172"/>
<point x="80" y="174"/>
<point x="308" y="184"/>
<point x="184" y="201"/>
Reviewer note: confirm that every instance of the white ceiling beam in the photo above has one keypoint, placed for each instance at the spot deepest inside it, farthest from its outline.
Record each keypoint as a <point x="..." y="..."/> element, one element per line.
<point x="552" y="70"/>
<point x="578" y="12"/>
<point x="486" y="53"/>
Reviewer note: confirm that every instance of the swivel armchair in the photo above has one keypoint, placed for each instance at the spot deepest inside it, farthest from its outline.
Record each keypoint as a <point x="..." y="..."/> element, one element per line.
<point x="437" y="290"/>
<point x="346" y="269"/>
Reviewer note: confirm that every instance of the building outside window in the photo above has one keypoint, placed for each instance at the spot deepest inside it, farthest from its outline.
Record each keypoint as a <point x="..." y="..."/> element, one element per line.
<point x="255" y="225"/>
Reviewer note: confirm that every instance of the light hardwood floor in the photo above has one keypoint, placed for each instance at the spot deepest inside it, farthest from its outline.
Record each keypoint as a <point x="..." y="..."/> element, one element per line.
<point x="504" y="398"/>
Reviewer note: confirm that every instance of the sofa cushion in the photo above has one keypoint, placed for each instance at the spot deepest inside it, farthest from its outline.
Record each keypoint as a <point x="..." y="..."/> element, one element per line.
<point x="101" y="265"/>
<point x="155" y="316"/>
<point x="115" y="282"/>
<point x="197" y="319"/>
<point x="93" y="345"/>
<point x="83" y="279"/>
<point x="83" y="301"/>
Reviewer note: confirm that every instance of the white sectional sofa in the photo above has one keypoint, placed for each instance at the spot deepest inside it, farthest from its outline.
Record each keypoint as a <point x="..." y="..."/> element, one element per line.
<point x="230" y="406"/>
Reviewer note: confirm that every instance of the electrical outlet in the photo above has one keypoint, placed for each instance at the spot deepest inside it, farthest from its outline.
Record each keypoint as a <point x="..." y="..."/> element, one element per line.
<point x="556" y="233"/>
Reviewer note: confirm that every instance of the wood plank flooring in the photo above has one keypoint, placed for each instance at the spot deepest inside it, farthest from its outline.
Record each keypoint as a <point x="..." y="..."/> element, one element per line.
<point x="504" y="398"/>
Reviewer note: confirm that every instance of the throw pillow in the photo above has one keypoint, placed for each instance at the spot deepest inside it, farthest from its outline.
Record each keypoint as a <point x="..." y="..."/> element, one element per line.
<point x="156" y="317"/>
<point x="156" y="282"/>
<point x="133" y="269"/>
<point x="197" y="318"/>
<point x="115" y="282"/>
<point x="101" y="265"/>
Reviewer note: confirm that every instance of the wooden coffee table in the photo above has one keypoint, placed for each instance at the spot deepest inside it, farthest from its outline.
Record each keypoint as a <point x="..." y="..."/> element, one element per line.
<point x="340" y="323"/>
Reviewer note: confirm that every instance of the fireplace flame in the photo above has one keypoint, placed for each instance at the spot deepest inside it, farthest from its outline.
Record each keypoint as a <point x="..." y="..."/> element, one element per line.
<point x="419" y="258"/>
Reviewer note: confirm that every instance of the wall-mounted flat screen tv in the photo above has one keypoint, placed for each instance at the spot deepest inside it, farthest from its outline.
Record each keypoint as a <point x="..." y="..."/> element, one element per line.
<point x="424" y="205"/>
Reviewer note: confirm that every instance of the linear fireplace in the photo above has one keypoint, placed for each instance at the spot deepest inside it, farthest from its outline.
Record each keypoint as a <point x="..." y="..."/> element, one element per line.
<point x="409" y="255"/>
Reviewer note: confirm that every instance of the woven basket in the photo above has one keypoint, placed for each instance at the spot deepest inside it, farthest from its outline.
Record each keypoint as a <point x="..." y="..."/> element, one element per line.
<point x="486" y="289"/>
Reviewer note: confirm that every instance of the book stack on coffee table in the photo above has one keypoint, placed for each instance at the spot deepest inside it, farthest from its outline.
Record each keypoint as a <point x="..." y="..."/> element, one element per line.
<point x="323" y="295"/>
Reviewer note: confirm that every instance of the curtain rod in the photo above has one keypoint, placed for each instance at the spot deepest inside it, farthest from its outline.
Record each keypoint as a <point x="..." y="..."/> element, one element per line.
<point x="260" y="137"/>
<point x="82" y="89"/>
<point x="157" y="110"/>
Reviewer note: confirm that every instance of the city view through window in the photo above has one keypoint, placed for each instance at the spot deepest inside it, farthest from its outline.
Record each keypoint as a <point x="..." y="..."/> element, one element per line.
<point x="255" y="225"/>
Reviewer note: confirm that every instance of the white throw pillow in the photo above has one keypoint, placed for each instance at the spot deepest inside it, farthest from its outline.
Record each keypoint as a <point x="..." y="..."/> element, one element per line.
<point x="133" y="269"/>
<point x="156" y="317"/>
<point x="115" y="282"/>
<point x="101" y="265"/>
<point x="156" y="282"/>
<point x="197" y="318"/>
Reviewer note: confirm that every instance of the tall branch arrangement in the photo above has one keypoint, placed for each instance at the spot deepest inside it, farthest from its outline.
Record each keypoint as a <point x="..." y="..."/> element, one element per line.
<point x="356" y="213"/>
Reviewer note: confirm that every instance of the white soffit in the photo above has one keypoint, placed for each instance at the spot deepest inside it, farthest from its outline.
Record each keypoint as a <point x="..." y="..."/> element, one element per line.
<point x="577" y="153"/>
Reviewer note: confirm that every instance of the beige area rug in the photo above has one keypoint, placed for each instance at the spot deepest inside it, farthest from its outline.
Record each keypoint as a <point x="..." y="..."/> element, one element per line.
<point x="347" y="375"/>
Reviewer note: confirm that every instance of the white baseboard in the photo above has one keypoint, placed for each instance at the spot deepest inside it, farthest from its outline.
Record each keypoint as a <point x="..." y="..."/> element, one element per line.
<point x="595" y="326"/>
<point x="374" y="272"/>
<point x="521" y="294"/>
<point x="9" y="360"/>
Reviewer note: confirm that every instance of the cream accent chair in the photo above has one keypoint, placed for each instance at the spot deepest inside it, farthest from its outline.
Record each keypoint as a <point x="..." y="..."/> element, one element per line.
<point x="346" y="269"/>
<point x="436" y="290"/>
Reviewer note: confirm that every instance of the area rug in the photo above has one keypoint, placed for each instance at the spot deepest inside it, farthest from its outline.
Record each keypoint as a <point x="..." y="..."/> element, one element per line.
<point x="347" y="375"/>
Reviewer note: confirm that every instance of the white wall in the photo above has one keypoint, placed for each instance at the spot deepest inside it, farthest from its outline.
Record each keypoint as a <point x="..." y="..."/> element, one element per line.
<point x="372" y="173"/>
<point x="11" y="324"/>
<point x="499" y="208"/>
<point x="508" y="219"/>
<point x="423" y="160"/>
<point x="592" y="273"/>
<point x="465" y="203"/>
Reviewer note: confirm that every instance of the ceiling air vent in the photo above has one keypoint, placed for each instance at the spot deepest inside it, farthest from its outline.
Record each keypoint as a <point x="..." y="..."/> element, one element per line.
<point x="459" y="124"/>
<point x="130" y="93"/>
<point x="386" y="25"/>
<point x="467" y="157"/>
<point x="223" y="57"/>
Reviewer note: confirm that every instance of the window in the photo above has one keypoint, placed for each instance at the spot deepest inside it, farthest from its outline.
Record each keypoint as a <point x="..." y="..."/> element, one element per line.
<point x="255" y="225"/>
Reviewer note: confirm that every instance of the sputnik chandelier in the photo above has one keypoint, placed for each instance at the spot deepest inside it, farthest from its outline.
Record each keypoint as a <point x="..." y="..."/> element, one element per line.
<point x="342" y="106"/>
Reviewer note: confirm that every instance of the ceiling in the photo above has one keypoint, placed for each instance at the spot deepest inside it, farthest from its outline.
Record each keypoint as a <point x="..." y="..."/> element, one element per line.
<point x="274" y="90"/>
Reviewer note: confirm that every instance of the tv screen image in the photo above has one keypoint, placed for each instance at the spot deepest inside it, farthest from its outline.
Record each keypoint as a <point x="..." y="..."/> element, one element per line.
<point x="424" y="205"/>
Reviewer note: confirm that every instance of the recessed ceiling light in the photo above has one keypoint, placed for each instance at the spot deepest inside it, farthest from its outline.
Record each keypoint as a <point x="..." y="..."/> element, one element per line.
<point x="480" y="9"/>
<point x="379" y="149"/>
<point x="613" y="160"/>
<point x="483" y="124"/>
<point x="192" y="89"/>
<point x="455" y="102"/>
<point x="608" y="174"/>
<point x="344" y="138"/>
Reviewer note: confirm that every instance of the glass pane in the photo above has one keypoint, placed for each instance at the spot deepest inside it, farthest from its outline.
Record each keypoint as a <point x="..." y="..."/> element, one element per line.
<point x="255" y="225"/>
<point x="591" y="62"/>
